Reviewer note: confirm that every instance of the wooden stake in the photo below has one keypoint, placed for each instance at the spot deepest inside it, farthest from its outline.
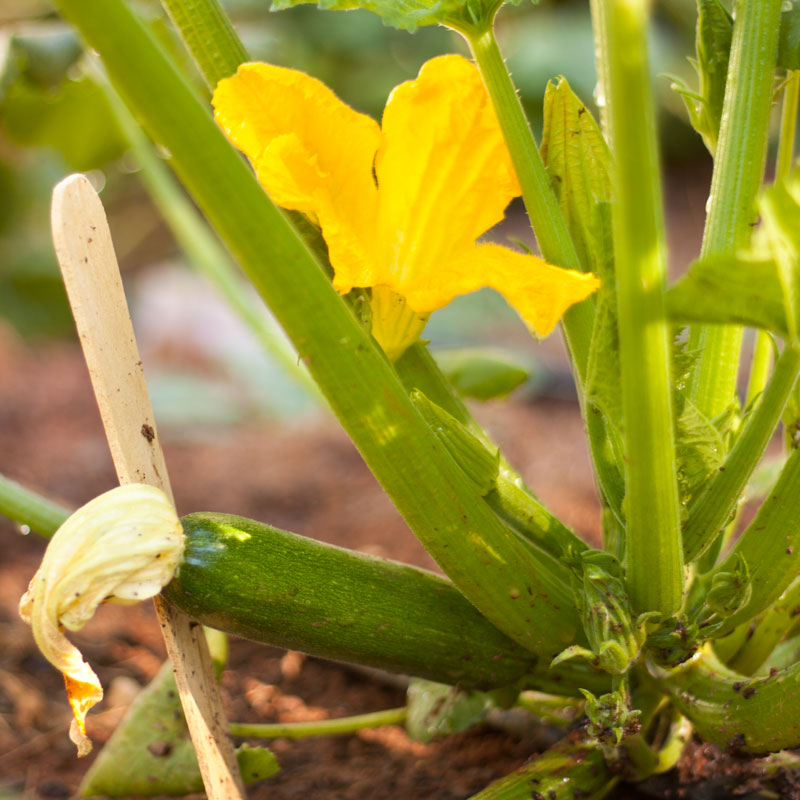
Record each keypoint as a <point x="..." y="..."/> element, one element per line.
<point x="89" y="266"/>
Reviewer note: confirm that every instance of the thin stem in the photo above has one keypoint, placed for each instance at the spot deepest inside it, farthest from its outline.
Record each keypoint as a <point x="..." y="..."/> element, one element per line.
<point x="209" y="36"/>
<point x="525" y="513"/>
<point x="760" y="366"/>
<point x="553" y="236"/>
<point x="555" y="710"/>
<point x="653" y="543"/>
<point x="601" y="57"/>
<point x="763" y="349"/>
<point x="26" y="507"/>
<point x="323" y="727"/>
<point x="738" y="171"/>
<point x="770" y="630"/>
<point x="770" y="546"/>
<point x="711" y="511"/>
<point x="791" y="92"/>
<point x="541" y="204"/>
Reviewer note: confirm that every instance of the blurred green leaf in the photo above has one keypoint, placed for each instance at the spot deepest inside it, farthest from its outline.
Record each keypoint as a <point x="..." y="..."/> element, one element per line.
<point x="151" y="753"/>
<point x="435" y="709"/>
<point x="41" y="57"/>
<point x="412" y="14"/>
<point x="482" y="373"/>
<point x="32" y="296"/>
<point x="74" y="120"/>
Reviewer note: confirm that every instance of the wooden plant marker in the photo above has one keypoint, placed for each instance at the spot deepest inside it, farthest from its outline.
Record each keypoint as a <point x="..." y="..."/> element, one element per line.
<point x="89" y="266"/>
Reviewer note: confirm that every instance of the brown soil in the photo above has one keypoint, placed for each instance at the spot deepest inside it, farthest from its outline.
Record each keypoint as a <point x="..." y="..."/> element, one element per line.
<point x="306" y="478"/>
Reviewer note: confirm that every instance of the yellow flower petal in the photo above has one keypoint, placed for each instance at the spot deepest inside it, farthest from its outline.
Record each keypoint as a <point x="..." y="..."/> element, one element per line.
<point x="311" y="152"/>
<point x="538" y="291"/>
<point x="444" y="172"/>
<point x="123" y="546"/>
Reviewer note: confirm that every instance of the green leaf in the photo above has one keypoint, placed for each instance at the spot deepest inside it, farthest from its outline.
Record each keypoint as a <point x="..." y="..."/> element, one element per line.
<point x="758" y="287"/>
<point x="412" y="14"/>
<point x="482" y="373"/>
<point x="603" y="373"/>
<point x="789" y="41"/>
<point x="739" y="290"/>
<point x="75" y="120"/>
<point x="41" y="57"/>
<point x="713" y="46"/>
<point x="578" y="163"/>
<point x="151" y="753"/>
<point x="435" y="709"/>
<point x="699" y="449"/>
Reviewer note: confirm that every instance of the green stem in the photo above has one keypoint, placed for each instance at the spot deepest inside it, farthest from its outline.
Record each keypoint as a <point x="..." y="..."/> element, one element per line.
<point x="763" y="349"/>
<point x="486" y="561"/>
<point x="602" y="60"/>
<point x="525" y="513"/>
<point x="202" y="248"/>
<point x="209" y="36"/>
<point x="503" y="489"/>
<point x="773" y="626"/>
<point x="22" y="505"/>
<point x="738" y="171"/>
<point x="554" y="710"/>
<point x="791" y="93"/>
<point x="568" y="769"/>
<point x="541" y="204"/>
<point x="553" y="236"/>
<point x="760" y="366"/>
<point x="712" y="510"/>
<point x="770" y="546"/>
<point x="757" y="716"/>
<point x="324" y="727"/>
<point x="654" y="557"/>
<point x="417" y="369"/>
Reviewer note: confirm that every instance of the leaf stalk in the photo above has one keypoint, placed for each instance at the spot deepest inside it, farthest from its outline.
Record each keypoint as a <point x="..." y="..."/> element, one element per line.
<point x="654" y="558"/>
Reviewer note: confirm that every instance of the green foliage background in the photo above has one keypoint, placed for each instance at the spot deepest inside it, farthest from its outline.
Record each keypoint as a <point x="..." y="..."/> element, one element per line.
<point x="54" y="119"/>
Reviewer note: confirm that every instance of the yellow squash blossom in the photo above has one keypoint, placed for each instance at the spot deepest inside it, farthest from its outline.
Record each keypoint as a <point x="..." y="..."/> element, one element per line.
<point x="123" y="547"/>
<point x="400" y="205"/>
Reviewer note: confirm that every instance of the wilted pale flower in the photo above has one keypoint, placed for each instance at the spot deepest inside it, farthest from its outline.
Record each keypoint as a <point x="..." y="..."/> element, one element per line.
<point x="121" y="547"/>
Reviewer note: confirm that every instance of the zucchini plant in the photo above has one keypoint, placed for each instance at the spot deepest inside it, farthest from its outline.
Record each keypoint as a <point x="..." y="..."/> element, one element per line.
<point x="675" y="624"/>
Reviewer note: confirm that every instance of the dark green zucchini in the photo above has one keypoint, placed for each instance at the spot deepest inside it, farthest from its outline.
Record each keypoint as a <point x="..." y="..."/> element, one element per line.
<point x="265" y="584"/>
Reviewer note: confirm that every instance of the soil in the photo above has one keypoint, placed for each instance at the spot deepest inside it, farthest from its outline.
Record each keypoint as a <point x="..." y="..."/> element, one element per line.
<point x="305" y="477"/>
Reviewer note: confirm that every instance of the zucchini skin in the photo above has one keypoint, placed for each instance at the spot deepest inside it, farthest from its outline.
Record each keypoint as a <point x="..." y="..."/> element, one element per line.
<point x="265" y="584"/>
